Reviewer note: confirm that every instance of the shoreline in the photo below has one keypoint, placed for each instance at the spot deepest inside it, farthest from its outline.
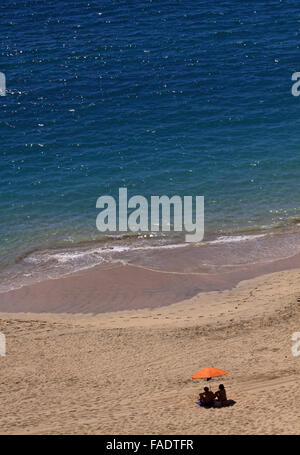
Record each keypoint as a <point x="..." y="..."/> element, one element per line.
<point x="131" y="286"/>
<point x="215" y="256"/>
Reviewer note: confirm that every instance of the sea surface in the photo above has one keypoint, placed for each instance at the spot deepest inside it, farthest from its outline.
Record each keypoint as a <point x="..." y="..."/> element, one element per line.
<point x="173" y="97"/>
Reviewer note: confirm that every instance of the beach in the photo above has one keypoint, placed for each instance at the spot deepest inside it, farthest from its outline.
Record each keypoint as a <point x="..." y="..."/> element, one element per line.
<point x="129" y="372"/>
<point x="149" y="216"/>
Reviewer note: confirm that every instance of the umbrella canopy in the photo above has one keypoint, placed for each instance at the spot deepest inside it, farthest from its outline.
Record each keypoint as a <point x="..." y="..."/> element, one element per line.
<point x="207" y="373"/>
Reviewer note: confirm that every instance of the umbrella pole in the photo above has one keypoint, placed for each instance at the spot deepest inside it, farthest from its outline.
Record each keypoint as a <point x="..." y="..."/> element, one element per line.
<point x="208" y="379"/>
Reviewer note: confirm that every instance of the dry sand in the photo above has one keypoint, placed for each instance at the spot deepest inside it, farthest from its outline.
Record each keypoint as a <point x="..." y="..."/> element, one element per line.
<point x="129" y="372"/>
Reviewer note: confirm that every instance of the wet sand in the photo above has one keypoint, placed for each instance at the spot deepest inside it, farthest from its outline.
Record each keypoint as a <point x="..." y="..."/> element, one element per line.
<point x="133" y="285"/>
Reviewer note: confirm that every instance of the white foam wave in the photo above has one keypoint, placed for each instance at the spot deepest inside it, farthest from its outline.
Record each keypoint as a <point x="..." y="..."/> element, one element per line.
<point x="94" y="256"/>
<point x="236" y="238"/>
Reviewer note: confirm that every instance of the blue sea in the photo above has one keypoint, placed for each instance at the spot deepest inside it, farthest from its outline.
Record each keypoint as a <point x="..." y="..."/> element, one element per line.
<point x="173" y="97"/>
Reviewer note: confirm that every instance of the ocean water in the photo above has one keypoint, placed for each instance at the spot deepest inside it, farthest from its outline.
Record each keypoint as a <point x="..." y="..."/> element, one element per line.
<point x="174" y="97"/>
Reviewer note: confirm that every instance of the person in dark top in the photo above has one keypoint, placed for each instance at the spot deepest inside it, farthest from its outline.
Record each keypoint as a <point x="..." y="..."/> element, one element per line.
<point x="207" y="397"/>
<point x="221" y="395"/>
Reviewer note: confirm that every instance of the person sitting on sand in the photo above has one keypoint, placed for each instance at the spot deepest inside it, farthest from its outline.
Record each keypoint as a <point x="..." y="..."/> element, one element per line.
<point x="207" y="397"/>
<point x="221" y="395"/>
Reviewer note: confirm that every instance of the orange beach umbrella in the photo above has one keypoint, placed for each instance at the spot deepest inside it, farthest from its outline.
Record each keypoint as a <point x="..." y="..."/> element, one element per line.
<point x="208" y="373"/>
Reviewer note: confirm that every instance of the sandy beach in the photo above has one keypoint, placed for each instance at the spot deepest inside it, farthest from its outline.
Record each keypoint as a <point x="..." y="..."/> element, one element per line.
<point x="129" y="372"/>
<point x="149" y="217"/>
